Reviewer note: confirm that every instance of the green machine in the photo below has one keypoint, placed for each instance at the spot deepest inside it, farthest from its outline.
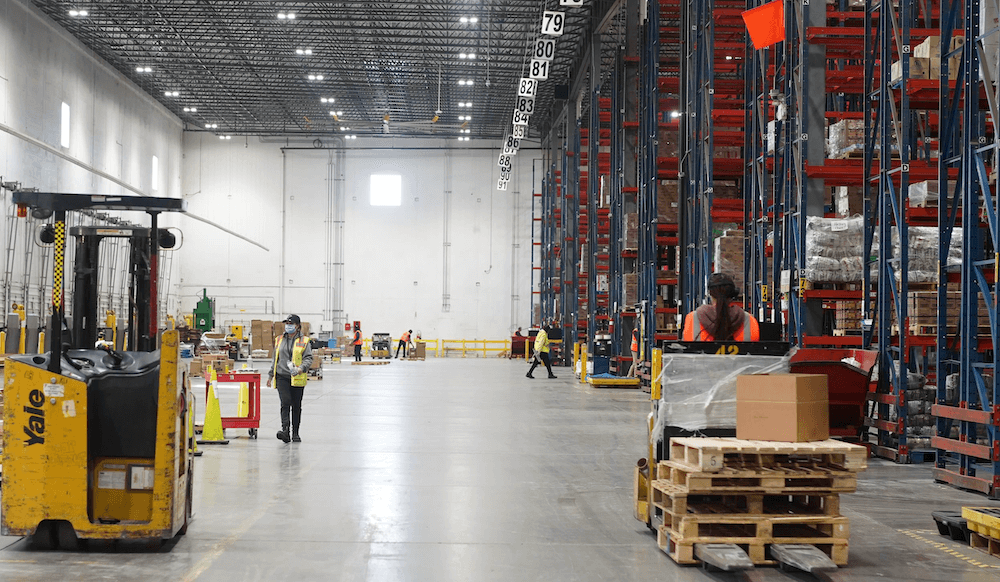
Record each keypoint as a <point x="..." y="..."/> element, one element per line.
<point x="204" y="313"/>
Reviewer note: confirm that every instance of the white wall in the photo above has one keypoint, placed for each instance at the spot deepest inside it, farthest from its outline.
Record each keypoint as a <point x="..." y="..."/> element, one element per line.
<point x="115" y="127"/>
<point x="287" y="198"/>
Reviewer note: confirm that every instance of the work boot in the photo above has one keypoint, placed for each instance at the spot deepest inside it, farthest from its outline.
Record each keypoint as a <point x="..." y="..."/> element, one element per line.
<point x="283" y="434"/>
<point x="552" y="376"/>
<point x="528" y="375"/>
<point x="296" y="438"/>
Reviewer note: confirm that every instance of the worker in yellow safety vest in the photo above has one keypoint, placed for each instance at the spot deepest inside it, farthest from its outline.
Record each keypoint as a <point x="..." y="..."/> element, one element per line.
<point x="357" y="343"/>
<point x="289" y="372"/>
<point x="634" y="370"/>
<point x="542" y="352"/>
<point x="722" y="320"/>
<point x="403" y="343"/>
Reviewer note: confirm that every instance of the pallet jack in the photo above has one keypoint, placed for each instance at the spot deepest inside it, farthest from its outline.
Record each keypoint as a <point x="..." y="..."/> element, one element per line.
<point x="720" y="556"/>
<point x="96" y="441"/>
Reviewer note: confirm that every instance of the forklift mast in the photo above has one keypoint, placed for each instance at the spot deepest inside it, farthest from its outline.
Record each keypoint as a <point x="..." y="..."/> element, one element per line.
<point x="143" y="317"/>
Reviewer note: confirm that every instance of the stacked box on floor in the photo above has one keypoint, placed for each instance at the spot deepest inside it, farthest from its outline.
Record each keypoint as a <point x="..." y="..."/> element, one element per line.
<point x="755" y="494"/>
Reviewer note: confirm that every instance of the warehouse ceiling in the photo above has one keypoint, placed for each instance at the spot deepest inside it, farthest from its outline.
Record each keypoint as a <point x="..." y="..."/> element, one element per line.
<point x="345" y="67"/>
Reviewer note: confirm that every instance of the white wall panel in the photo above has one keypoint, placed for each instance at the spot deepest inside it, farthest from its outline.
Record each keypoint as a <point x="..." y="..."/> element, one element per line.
<point x="386" y="249"/>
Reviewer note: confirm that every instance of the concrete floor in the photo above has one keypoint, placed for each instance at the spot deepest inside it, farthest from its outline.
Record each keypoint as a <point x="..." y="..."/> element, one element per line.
<point x="464" y="470"/>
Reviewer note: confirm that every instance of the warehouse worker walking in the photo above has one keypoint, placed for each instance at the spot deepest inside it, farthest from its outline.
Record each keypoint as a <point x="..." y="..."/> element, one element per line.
<point x="289" y="372"/>
<point x="542" y="352"/>
<point x="357" y="343"/>
<point x="722" y="320"/>
<point x="634" y="370"/>
<point x="404" y="342"/>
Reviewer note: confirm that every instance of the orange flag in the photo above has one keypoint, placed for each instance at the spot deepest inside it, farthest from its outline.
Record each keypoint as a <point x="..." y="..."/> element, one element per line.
<point x="766" y="24"/>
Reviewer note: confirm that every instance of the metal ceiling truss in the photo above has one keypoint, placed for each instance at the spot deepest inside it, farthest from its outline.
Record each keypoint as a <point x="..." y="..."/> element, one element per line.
<point x="235" y="62"/>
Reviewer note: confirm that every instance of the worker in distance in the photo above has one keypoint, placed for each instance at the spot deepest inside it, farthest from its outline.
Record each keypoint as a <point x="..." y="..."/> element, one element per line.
<point x="722" y="320"/>
<point x="289" y="373"/>
<point x="542" y="351"/>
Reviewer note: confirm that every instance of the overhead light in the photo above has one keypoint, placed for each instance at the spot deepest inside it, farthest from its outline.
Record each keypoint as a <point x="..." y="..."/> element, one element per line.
<point x="729" y="57"/>
<point x="461" y="104"/>
<point x="339" y="113"/>
<point x="143" y="69"/>
<point x="468" y="131"/>
<point x="80" y="13"/>
<point x="190" y="110"/>
<point x="473" y="20"/>
<point x="468" y="103"/>
<point x="472" y="55"/>
<point x="461" y="118"/>
<point x="675" y="114"/>
<point x="468" y="82"/>
<point x="463" y="56"/>
<point x="211" y="126"/>
<point x="315" y="77"/>
<point x="171" y="93"/>
<point x="352" y="137"/>
<point x="327" y="100"/>
<point x="286" y="16"/>
<point x="464" y="20"/>
<point x="304" y="51"/>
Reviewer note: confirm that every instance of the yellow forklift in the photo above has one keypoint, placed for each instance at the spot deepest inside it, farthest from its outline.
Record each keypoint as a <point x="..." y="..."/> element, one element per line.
<point x="95" y="441"/>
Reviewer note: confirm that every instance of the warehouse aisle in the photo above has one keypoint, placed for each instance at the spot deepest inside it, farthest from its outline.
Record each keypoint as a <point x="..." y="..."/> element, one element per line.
<point x="460" y="470"/>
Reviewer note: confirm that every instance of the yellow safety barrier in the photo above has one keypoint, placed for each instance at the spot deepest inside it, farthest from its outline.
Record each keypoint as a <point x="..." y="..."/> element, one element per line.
<point x="583" y="365"/>
<point x="483" y="347"/>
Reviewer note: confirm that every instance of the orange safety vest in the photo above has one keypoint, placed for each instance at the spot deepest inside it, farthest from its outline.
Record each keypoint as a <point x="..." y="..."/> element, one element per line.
<point x="635" y="341"/>
<point x="750" y="332"/>
<point x="357" y="337"/>
<point x="405" y="338"/>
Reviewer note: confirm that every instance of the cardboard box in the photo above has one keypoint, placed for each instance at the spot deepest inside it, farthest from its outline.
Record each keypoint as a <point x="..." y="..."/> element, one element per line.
<point x="782" y="407"/>
<point x="631" y="230"/>
<point x="849" y="200"/>
<point x="667" y="202"/>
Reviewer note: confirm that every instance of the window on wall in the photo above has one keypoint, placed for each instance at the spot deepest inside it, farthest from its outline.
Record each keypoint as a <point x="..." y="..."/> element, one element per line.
<point x="64" y="127"/>
<point x="386" y="190"/>
<point x="156" y="173"/>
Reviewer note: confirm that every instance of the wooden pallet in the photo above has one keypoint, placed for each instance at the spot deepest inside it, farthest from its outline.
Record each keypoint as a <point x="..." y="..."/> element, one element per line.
<point x="985" y="544"/>
<point x="778" y="478"/>
<point x="678" y="501"/>
<point x="371" y="363"/>
<point x="828" y="537"/>
<point x="414" y="359"/>
<point x="711" y="455"/>
<point x="622" y="382"/>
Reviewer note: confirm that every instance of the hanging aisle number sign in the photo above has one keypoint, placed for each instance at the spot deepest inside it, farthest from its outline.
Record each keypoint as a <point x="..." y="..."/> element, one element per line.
<point x="520" y="118"/>
<point x="518" y="131"/>
<point x="539" y="69"/>
<point x="502" y="185"/>
<point x="526" y="105"/>
<point x="545" y="49"/>
<point x="571" y="2"/>
<point x="511" y="145"/>
<point x="505" y="175"/>
<point x="504" y="161"/>
<point x="527" y="87"/>
<point x="553" y="23"/>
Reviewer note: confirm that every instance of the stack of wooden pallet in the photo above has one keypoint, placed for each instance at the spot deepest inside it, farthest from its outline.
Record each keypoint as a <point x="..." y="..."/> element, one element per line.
<point x="755" y="494"/>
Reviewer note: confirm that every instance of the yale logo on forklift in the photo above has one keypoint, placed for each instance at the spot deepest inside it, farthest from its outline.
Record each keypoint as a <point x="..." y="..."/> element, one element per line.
<point x="35" y="429"/>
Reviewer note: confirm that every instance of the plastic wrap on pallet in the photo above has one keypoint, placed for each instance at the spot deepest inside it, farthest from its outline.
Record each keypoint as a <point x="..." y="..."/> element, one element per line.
<point x="699" y="390"/>
<point x="922" y="252"/>
<point x="834" y="249"/>
<point x="923" y="194"/>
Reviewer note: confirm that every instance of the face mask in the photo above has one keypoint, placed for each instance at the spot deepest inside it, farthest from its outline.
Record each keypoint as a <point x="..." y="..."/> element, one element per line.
<point x="289" y="328"/>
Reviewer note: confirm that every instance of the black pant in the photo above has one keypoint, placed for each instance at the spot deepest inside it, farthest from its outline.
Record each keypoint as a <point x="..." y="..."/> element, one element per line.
<point x="402" y="344"/>
<point x="357" y="352"/>
<point x="291" y="398"/>
<point x="544" y="356"/>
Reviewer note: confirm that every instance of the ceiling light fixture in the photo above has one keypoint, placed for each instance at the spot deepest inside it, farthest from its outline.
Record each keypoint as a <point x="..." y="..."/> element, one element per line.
<point x="315" y="77"/>
<point x="80" y="13"/>
<point x="142" y="69"/>
<point x="472" y="55"/>
<point x="190" y="110"/>
<point x="304" y="51"/>
<point x="171" y="93"/>
<point x="211" y="126"/>
<point x="339" y="113"/>
<point x="468" y="103"/>
<point x="463" y="56"/>
<point x="327" y="100"/>
<point x="286" y="16"/>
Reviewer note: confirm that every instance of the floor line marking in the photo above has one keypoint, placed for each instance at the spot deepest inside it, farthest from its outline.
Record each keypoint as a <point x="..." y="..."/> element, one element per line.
<point x="916" y="534"/>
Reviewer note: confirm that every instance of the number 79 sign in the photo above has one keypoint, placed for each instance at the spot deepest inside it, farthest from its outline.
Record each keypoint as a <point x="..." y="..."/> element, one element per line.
<point x="553" y="22"/>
